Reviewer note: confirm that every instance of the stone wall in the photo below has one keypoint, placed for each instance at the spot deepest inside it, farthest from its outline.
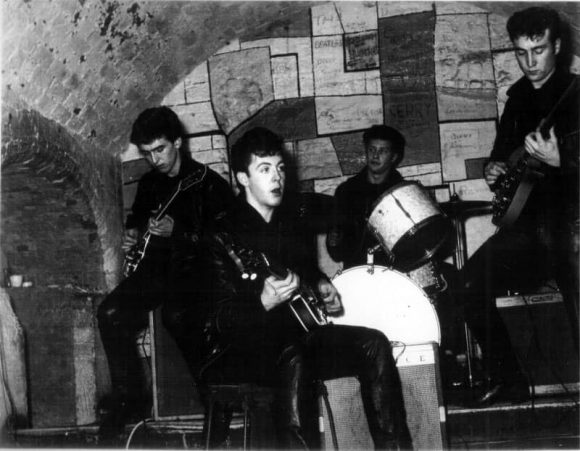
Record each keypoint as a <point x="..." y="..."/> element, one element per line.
<point x="436" y="71"/>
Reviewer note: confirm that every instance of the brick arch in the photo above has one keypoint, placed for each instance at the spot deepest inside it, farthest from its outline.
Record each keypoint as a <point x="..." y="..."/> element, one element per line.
<point x="38" y="147"/>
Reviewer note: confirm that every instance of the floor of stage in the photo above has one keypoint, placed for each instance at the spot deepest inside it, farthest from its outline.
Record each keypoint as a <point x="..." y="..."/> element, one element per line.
<point x="544" y="423"/>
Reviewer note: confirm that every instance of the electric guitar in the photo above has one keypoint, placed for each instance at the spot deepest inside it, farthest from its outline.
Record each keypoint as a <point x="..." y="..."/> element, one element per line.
<point x="135" y="255"/>
<point x="512" y="189"/>
<point x="305" y="305"/>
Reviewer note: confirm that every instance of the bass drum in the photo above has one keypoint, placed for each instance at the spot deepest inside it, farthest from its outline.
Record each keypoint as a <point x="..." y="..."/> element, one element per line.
<point x="388" y="301"/>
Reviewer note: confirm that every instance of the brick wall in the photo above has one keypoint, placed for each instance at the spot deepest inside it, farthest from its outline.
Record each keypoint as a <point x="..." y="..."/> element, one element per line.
<point x="48" y="231"/>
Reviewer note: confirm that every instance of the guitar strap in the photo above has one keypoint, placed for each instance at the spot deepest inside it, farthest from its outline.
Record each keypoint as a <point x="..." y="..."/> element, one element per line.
<point x="226" y="241"/>
<point x="194" y="178"/>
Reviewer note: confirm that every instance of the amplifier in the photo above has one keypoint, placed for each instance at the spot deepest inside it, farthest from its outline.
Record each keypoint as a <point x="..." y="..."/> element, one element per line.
<point x="174" y="393"/>
<point x="418" y="367"/>
<point x="540" y="333"/>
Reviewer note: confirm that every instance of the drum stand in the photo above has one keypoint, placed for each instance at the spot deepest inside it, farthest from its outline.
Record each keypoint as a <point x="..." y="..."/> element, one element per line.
<point x="459" y="259"/>
<point x="459" y="211"/>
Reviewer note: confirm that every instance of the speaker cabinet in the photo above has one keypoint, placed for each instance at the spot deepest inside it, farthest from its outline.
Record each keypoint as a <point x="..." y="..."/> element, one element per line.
<point x="418" y="367"/>
<point x="174" y="392"/>
<point x="350" y="421"/>
<point x="542" y="340"/>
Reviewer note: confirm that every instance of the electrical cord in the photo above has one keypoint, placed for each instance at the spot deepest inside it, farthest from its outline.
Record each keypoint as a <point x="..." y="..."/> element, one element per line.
<point x="137" y="426"/>
<point x="322" y="391"/>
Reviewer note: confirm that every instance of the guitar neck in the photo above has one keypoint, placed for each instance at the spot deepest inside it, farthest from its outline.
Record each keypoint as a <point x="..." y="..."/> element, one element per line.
<point x="546" y="123"/>
<point x="275" y="269"/>
<point x="192" y="179"/>
<point x="167" y="203"/>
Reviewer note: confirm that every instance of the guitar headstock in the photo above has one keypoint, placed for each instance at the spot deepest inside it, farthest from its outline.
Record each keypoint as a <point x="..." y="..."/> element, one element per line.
<point x="252" y="263"/>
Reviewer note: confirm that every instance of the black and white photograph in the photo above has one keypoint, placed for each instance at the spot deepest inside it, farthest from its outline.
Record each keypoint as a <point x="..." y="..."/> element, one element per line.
<point x="289" y="225"/>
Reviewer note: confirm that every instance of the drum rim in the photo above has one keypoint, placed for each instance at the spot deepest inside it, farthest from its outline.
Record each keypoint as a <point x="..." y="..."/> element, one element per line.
<point x="385" y="268"/>
<point x="429" y="254"/>
<point x="397" y="186"/>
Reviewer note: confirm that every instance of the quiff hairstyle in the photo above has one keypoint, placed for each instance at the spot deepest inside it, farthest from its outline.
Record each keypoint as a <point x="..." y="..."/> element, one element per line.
<point x="533" y="22"/>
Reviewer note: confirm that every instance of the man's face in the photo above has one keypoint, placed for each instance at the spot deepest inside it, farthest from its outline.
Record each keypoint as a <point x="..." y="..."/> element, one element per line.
<point x="264" y="183"/>
<point x="537" y="57"/>
<point x="380" y="156"/>
<point x="163" y="155"/>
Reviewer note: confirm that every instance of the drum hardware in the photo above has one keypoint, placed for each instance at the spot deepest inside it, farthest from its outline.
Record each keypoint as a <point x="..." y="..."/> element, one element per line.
<point x="459" y="211"/>
<point x="429" y="278"/>
<point x="371" y="257"/>
<point x="456" y="208"/>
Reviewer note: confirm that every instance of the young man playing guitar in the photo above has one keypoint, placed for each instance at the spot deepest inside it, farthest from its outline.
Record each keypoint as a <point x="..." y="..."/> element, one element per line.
<point x="260" y="339"/>
<point x="541" y="118"/>
<point x="174" y="203"/>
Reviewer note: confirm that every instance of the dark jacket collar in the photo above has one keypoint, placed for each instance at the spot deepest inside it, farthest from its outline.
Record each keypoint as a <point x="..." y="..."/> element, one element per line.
<point x="558" y="82"/>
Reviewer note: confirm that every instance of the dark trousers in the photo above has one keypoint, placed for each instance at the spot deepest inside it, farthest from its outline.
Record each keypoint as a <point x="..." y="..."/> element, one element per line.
<point x="326" y="353"/>
<point x="123" y="314"/>
<point x="516" y="260"/>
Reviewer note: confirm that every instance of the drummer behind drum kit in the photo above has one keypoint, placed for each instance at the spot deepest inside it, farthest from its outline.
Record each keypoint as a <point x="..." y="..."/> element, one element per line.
<point x="411" y="229"/>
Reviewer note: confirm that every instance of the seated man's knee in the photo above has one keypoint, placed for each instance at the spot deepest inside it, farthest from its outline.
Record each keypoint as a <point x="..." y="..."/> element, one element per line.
<point x="291" y="357"/>
<point x="376" y="344"/>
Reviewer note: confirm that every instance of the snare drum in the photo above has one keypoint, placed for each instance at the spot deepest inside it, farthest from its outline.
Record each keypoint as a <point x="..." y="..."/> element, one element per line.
<point x="388" y="301"/>
<point x="408" y="224"/>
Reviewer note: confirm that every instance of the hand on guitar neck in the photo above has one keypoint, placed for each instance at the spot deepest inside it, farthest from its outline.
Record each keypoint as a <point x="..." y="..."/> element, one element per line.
<point x="285" y="283"/>
<point x="537" y="145"/>
<point x="544" y="149"/>
<point x="161" y="225"/>
<point x="282" y="286"/>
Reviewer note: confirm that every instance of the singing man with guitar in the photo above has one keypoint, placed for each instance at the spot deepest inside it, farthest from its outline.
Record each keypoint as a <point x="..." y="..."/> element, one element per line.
<point x="533" y="171"/>
<point x="255" y="334"/>
<point x="174" y="204"/>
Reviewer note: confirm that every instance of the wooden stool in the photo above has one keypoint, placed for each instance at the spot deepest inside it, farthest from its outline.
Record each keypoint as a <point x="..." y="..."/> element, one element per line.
<point x="249" y="399"/>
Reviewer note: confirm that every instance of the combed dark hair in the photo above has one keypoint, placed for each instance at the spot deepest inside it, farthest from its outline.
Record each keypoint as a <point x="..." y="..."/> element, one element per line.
<point x="155" y="123"/>
<point x="386" y="133"/>
<point x="258" y="141"/>
<point x="533" y="22"/>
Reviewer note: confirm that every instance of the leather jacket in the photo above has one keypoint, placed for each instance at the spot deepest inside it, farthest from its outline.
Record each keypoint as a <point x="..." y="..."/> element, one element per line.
<point x="234" y="277"/>
<point x="204" y="195"/>
<point x="556" y="196"/>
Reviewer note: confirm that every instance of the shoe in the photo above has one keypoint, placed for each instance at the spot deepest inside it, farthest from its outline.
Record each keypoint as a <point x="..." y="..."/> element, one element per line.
<point x="514" y="393"/>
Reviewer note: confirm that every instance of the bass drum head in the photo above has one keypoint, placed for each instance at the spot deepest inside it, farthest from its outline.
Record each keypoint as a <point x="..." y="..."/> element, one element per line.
<point x="388" y="301"/>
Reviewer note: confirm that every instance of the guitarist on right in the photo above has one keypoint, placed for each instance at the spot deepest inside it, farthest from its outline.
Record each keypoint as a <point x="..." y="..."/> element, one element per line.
<point x="541" y="122"/>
